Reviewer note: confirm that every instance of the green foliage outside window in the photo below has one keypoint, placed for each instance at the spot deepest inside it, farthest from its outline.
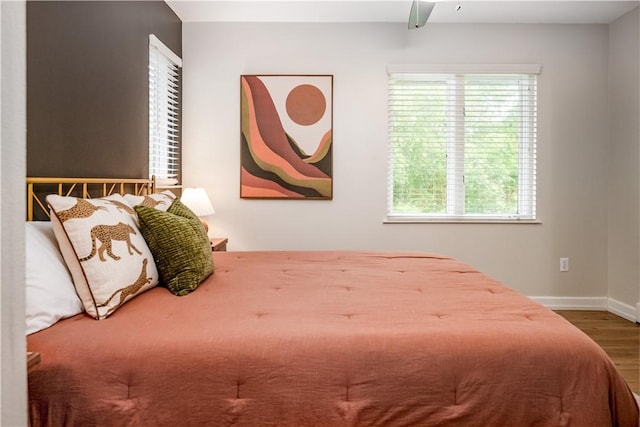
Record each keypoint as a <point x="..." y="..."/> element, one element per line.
<point x="423" y="128"/>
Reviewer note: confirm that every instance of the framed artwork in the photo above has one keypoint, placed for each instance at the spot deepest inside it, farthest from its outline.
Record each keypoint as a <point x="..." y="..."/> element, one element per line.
<point x="286" y="126"/>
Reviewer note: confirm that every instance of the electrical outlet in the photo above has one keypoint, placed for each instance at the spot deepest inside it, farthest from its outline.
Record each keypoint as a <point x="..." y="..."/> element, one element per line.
<point x="564" y="264"/>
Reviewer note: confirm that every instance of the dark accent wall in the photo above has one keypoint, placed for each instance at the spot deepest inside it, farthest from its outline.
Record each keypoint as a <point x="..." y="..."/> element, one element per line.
<point x="87" y="85"/>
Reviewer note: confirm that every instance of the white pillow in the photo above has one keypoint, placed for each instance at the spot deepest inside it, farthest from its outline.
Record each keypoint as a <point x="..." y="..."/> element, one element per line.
<point x="49" y="288"/>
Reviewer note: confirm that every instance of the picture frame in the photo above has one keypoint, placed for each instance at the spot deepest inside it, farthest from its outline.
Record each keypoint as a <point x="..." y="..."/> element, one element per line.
<point x="286" y="127"/>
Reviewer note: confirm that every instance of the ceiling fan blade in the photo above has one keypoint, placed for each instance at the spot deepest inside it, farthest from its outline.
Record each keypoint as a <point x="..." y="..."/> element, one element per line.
<point x="420" y="11"/>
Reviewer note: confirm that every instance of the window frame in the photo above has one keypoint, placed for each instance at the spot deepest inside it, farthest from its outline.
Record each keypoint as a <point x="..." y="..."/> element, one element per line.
<point x="164" y="107"/>
<point x="454" y="75"/>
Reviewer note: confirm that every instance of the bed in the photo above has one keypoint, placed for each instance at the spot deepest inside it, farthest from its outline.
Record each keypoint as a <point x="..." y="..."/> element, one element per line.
<point x="327" y="338"/>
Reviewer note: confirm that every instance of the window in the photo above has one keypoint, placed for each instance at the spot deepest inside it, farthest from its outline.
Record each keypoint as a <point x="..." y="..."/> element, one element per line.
<point x="164" y="109"/>
<point x="462" y="146"/>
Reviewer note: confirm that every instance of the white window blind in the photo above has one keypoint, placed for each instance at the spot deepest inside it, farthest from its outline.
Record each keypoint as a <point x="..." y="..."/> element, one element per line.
<point x="462" y="146"/>
<point x="164" y="108"/>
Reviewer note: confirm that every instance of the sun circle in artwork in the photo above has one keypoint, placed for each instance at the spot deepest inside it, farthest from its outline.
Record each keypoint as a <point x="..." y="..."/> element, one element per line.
<point x="306" y="104"/>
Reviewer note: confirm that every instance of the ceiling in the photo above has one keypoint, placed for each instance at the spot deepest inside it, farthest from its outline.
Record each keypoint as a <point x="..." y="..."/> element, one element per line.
<point x="471" y="11"/>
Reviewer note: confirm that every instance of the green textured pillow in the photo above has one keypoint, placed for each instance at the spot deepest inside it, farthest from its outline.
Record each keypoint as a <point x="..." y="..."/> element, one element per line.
<point x="179" y="244"/>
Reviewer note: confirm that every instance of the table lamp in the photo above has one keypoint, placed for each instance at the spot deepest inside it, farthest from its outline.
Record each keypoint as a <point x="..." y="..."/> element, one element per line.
<point x="197" y="200"/>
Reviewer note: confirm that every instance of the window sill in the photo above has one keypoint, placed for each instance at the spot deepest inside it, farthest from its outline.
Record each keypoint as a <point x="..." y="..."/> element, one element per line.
<point x="460" y="221"/>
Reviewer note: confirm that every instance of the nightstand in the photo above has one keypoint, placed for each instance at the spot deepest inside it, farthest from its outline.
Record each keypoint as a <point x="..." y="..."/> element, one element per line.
<point x="219" y="244"/>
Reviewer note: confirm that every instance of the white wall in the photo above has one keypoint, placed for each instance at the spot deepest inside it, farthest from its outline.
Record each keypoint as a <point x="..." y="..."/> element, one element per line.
<point x="572" y="141"/>
<point x="13" y="390"/>
<point x="624" y="160"/>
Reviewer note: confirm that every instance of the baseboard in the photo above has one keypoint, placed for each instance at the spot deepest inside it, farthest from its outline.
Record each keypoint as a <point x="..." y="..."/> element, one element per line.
<point x="618" y="308"/>
<point x="623" y="310"/>
<point x="573" y="303"/>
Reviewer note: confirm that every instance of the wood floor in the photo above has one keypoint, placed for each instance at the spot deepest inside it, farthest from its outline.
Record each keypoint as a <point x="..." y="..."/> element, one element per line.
<point x="619" y="338"/>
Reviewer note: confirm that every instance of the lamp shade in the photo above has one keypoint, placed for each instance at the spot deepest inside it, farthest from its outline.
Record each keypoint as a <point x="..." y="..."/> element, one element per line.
<point x="197" y="200"/>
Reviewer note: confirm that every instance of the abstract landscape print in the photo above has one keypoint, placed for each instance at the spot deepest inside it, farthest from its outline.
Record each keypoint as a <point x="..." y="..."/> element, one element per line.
<point x="286" y="136"/>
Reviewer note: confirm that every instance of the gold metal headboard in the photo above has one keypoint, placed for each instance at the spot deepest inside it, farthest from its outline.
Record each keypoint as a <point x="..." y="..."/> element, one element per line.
<point x="39" y="188"/>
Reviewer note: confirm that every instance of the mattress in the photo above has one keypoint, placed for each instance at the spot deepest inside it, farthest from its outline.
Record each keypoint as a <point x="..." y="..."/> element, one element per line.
<point x="327" y="339"/>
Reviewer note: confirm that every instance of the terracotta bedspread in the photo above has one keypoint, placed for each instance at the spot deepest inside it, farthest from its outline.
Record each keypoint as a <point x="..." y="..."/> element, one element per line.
<point x="328" y="339"/>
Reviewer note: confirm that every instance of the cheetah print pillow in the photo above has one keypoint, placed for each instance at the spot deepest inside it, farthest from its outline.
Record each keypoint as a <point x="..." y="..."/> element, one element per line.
<point x="160" y="201"/>
<point x="109" y="260"/>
